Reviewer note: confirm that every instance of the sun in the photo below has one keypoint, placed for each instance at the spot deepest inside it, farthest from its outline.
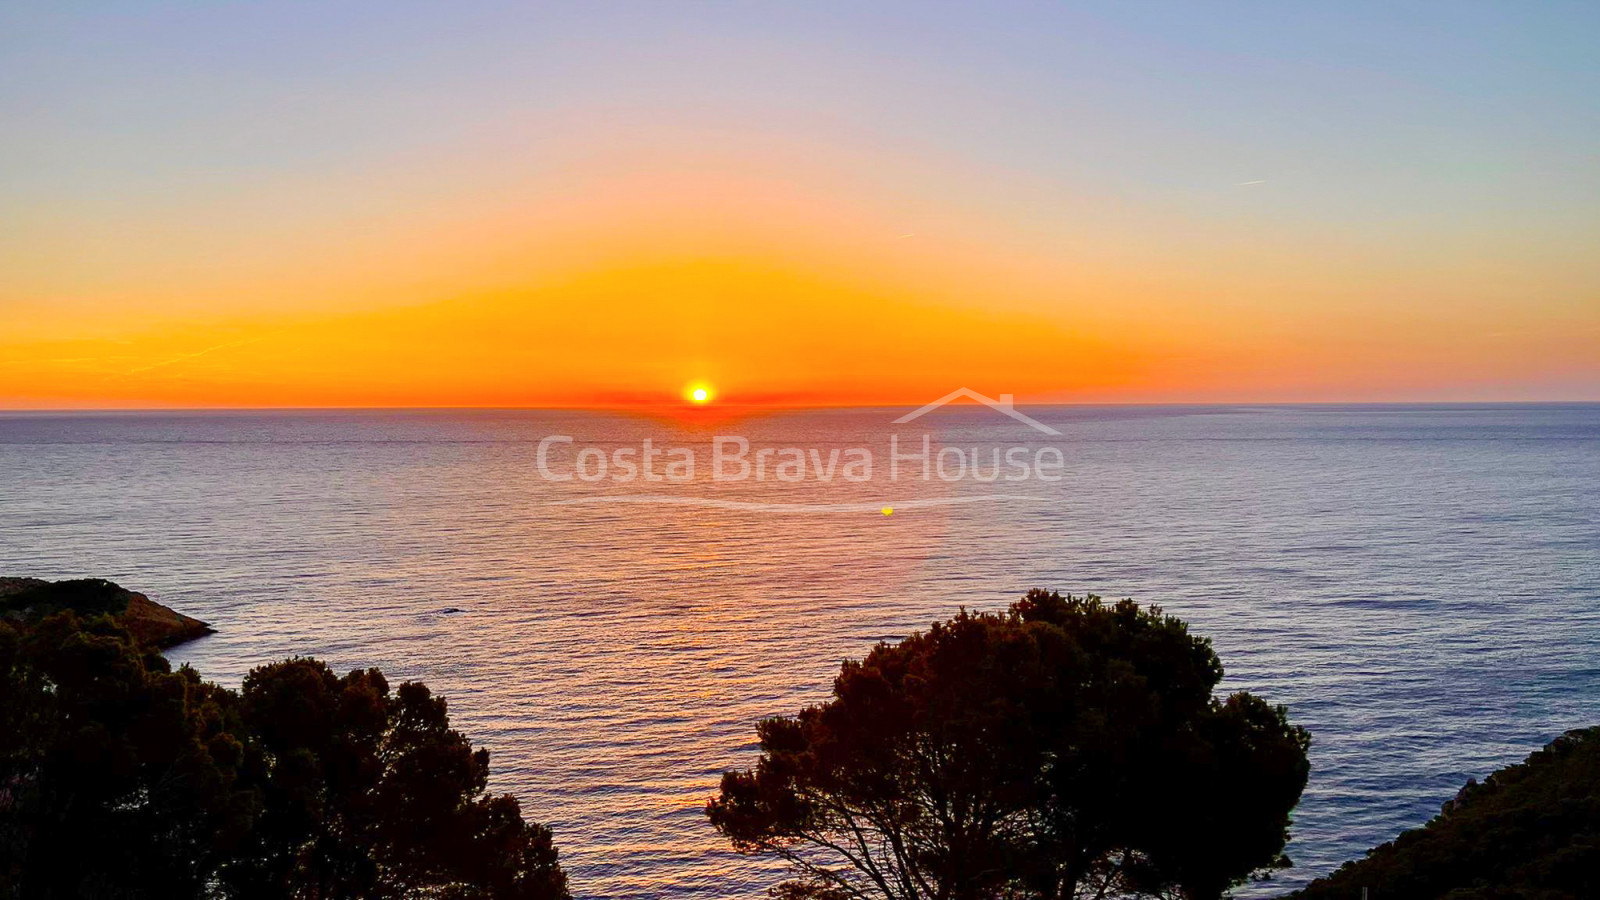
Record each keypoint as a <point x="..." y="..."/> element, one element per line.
<point x="698" y="394"/>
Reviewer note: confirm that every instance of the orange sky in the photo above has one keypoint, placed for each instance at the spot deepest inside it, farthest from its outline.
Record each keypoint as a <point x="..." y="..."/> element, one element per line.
<point x="619" y="247"/>
<point x="627" y="284"/>
<point x="624" y="284"/>
<point x="775" y="296"/>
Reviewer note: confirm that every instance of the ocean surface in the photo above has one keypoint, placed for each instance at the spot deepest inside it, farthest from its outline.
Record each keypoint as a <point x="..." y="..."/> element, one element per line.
<point x="1420" y="585"/>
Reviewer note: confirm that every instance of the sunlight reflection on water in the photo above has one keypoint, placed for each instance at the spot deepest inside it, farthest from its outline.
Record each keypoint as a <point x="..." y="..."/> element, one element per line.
<point x="1419" y="585"/>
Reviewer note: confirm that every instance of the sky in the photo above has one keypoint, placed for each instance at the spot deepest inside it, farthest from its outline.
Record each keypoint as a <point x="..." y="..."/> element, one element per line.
<point x="215" y="204"/>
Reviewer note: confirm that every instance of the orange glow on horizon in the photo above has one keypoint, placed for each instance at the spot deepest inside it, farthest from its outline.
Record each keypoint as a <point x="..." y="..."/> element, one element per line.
<point x="797" y="291"/>
<point x="790" y="206"/>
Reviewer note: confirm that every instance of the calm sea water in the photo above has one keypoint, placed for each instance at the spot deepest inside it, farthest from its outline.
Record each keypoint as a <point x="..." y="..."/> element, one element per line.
<point x="1420" y="585"/>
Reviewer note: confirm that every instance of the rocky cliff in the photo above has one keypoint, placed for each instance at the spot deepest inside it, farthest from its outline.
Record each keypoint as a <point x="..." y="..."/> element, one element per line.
<point x="24" y="600"/>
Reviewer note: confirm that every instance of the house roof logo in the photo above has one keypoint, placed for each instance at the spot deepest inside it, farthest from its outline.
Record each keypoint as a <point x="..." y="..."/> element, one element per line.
<point x="1002" y="405"/>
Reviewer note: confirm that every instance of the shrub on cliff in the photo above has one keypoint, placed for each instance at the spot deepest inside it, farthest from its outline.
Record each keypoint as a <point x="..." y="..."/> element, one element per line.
<point x="369" y="793"/>
<point x="1529" y="832"/>
<point x="117" y="775"/>
<point x="1065" y="748"/>
<point x="33" y="598"/>
<point x="25" y="601"/>
<point x="121" y="778"/>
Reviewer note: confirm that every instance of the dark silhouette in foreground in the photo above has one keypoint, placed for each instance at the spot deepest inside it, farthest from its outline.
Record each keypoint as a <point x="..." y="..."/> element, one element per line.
<point x="1529" y="832"/>
<point x="121" y="778"/>
<point x="1063" y="749"/>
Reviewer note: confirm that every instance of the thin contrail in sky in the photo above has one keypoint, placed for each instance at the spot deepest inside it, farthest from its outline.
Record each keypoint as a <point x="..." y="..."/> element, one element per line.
<point x="188" y="356"/>
<point x="1257" y="181"/>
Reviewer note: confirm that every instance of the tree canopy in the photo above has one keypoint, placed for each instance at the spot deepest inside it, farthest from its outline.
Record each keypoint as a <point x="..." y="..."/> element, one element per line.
<point x="1529" y="832"/>
<point x="121" y="778"/>
<point x="1065" y="748"/>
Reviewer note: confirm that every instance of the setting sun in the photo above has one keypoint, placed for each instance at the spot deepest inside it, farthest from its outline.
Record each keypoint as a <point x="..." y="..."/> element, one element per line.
<point x="352" y="331"/>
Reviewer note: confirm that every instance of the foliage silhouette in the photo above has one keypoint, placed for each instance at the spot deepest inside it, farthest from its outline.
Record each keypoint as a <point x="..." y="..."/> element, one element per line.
<point x="1065" y="748"/>
<point x="1529" y="832"/>
<point x="85" y="596"/>
<point x="121" y="778"/>
<point x="25" y="601"/>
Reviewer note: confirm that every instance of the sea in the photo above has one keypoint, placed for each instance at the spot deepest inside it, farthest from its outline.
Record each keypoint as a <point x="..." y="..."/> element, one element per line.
<point x="1419" y="585"/>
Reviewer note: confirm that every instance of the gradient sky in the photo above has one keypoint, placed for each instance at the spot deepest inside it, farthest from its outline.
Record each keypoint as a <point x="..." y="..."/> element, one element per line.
<point x="309" y="204"/>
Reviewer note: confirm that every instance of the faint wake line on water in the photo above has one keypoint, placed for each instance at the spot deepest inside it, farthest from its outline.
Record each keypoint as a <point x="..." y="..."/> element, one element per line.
<point x="895" y="505"/>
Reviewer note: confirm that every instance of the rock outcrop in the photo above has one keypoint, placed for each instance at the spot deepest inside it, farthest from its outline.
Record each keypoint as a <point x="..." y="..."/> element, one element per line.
<point x="24" y="600"/>
<point x="1529" y="832"/>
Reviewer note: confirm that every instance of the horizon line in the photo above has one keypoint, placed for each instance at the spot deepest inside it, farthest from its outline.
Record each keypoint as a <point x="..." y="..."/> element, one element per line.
<point x="775" y="407"/>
